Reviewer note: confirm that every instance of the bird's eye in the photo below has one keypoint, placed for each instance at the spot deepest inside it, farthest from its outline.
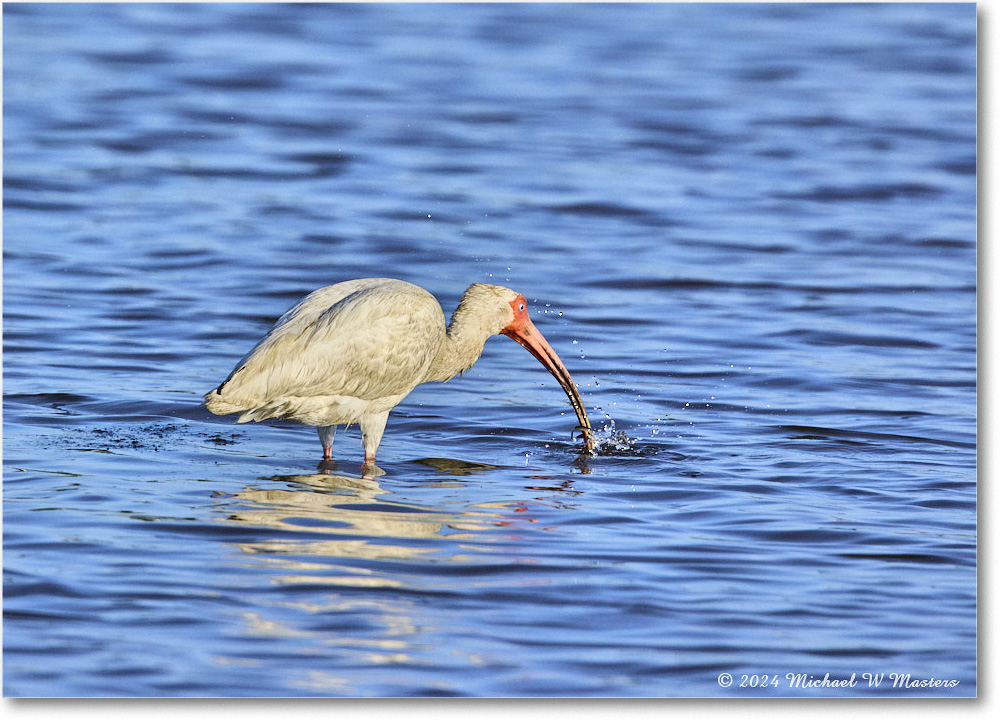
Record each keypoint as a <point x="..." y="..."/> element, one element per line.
<point x="520" y="307"/>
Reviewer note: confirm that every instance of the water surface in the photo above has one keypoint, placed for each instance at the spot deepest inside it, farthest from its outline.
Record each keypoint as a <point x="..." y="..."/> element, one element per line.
<point x="749" y="231"/>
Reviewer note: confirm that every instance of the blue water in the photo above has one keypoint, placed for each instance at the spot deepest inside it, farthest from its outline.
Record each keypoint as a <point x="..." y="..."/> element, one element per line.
<point x="749" y="231"/>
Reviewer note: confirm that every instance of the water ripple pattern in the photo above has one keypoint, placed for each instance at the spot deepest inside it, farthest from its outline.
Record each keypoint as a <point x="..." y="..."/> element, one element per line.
<point x="749" y="231"/>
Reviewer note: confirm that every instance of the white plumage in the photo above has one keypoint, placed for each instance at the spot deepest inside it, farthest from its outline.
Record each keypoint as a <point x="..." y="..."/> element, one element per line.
<point x="350" y="352"/>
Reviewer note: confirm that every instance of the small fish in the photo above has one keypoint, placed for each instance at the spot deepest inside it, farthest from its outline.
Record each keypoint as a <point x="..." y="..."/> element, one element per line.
<point x="587" y="433"/>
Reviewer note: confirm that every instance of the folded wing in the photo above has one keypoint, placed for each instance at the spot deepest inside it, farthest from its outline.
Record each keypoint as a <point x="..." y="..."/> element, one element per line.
<point x="347" y="344"/>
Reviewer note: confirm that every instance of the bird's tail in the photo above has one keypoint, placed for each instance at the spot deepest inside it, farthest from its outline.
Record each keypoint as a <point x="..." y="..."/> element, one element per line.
<point x="219" y="404"/>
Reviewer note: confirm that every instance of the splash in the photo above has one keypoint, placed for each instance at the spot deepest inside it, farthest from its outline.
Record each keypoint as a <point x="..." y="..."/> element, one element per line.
<point x="609" y="441"/>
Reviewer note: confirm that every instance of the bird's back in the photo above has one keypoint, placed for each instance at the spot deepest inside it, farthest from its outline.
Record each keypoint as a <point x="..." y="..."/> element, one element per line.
<point x="346" y="345"/>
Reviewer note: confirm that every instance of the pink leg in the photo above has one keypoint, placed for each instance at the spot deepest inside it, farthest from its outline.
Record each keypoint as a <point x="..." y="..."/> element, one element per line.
<point x="372" y="428"/>
<point x="326" y="434"/>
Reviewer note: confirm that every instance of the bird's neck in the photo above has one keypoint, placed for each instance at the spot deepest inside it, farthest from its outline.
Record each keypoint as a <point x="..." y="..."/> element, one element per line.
<point x="462" y="347"/>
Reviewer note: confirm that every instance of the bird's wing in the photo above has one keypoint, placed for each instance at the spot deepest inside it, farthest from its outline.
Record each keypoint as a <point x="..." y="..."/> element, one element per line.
<point x="377" y="340"/>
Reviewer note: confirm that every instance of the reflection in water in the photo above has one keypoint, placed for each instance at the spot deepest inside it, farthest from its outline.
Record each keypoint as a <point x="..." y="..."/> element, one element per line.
<point x="353" y="509"/>
<point x="453" y="466"/>
<point x="347" y="533"/>
<point x="337" y="529"/>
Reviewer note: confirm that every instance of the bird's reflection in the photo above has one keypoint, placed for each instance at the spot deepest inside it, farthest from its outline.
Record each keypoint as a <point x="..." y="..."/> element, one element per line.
<point x="335" y="517"/>
<point x="359" y="542"/>
<point x="453" y="466"/>
<point x="368" y="470"/>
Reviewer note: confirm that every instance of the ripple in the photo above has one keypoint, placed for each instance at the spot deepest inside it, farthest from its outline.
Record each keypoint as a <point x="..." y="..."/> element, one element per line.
<point x="816" y="337"/>
<point x="889" y="191"/>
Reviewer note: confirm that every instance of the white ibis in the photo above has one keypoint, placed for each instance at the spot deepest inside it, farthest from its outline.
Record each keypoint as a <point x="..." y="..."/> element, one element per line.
<point x="351" y="352"/>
